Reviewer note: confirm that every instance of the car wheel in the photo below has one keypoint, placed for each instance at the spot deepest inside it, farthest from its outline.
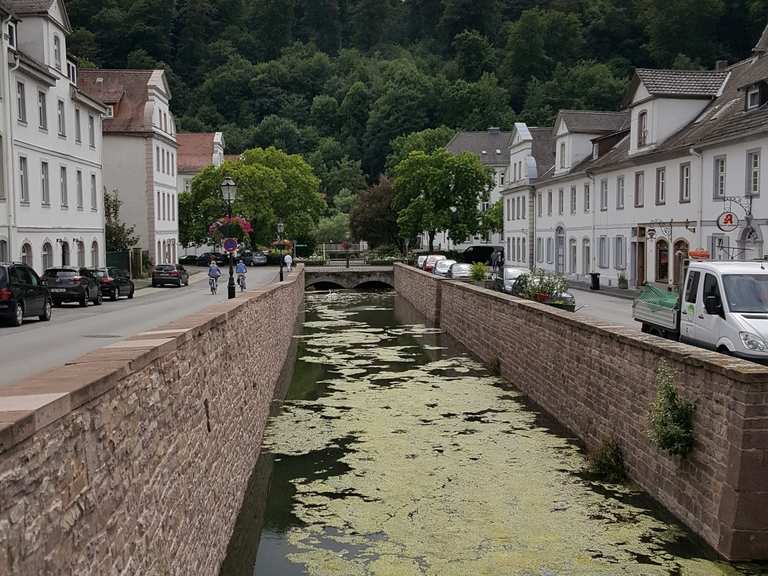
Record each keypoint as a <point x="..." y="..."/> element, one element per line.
<point x="99" y="299"/>
<point x="46" y="315"/>
<point x="18" y="317"/>
<point x="130" y="294"/>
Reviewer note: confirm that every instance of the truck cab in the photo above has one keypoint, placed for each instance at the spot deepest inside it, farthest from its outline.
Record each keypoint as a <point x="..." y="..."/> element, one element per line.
<point x="724" y="307"/>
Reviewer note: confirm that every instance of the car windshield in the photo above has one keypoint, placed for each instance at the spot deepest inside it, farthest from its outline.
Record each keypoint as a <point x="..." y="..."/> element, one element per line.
<point x="99" y="273"/>
<point x="460" y="268"/>
<point x="165" y="268"/>
<point x="746" y="292"/>
<point x="61" y="273"/>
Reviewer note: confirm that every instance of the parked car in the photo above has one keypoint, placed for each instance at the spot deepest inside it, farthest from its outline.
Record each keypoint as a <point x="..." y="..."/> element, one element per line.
<point x="460" y="271"/>
<point x="251" y="258"/>
<point x="505" y="281"/>
<point x="420" y="261"/>
<point x="442" y="267"/>
<point x="68" y="284"/>
<point x="479" y="254"/>
<point x="174" y="274"/>
<point x="188" y="260"/>
<point x="23" y="294"/>
<point x="114" y="282"/>
<point x="431" y="260"/>
<point x="205" y="259"/>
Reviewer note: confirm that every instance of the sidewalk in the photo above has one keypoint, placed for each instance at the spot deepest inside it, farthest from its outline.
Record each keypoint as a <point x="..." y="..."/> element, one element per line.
<point x="628" y="294"/>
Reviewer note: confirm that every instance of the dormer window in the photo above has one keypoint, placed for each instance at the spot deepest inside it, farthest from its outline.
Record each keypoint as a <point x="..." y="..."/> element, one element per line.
<point x="595" y="151"/>
<point x="57" y="52"/>
<point x="753" y="98"/>
<point x="642" y="129"/>
<point x="562" y="154"/>
<point x="72" y="72"/>
<point x="110" y="113"/>
<point x="12" y="35"/>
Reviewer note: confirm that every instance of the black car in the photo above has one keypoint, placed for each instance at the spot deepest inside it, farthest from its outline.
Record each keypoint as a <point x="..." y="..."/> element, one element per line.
<point x="174" y="274"/>
<point x="205" y="259"/>
<point x="72" y="285"/>
<point x="114" y="282"/>
<point x="479" y="254"/>
<point x="188" y="260"/>
<point x="23" y="294"/>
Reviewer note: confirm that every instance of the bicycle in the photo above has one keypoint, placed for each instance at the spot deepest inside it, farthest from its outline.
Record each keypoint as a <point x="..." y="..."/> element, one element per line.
<point x="241" y="282"/>
<point x="214" y="284"/>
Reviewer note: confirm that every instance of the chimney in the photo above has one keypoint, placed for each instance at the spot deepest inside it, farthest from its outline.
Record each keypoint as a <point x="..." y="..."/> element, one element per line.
<point x="762" y="45"/>
<point x="721" y="65"/>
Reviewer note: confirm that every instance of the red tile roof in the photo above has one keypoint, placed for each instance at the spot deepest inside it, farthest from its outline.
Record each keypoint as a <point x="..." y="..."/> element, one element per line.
<point x="195" y="150"/>
<point x="126" y="90"/>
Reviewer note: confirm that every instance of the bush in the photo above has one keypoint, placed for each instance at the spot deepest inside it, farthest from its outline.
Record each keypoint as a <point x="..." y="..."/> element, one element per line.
<point x="607" y="462"/>
<point x="671" y="415"/>
<point x="479" y="272"/>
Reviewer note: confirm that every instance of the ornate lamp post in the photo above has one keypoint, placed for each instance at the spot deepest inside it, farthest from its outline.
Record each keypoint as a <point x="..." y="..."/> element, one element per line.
<point x="280" y="230"/>
<point x="229" y="191"/>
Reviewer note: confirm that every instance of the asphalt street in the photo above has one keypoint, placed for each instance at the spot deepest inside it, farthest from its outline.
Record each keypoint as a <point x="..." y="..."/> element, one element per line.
<point x="38" y="346"/>
<point x="617" y="311"/>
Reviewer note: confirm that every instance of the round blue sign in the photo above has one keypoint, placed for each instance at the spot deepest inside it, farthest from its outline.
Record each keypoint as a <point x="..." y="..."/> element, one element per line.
<point x="230" y="244"/>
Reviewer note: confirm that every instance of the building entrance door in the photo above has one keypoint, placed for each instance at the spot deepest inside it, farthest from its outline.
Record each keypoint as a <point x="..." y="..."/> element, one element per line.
<point x="560" y="250"/>
<point x="639" y="257"/>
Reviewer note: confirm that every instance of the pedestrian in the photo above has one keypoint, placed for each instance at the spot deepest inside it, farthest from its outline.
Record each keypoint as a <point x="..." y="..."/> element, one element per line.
<point x="288" y="262"/>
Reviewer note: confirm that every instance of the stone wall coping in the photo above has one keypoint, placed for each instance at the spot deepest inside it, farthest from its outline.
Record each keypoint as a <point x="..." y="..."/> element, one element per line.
<point x="33" y="403"/>
<point x="736" y="369"/>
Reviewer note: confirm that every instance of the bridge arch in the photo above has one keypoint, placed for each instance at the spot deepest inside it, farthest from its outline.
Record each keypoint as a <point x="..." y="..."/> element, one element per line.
<point x="374" y="285"/>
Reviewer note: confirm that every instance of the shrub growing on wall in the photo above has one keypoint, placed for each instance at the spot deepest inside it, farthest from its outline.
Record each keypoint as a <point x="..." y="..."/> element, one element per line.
<point x="478" y="271"/>
<point x="671" y="415"/>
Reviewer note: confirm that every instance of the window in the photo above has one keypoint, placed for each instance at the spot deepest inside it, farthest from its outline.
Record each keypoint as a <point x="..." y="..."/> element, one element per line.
<point x="720" y="176"/>
<point x="21" y="102"/>
<point x="685" y="182"/>
<point x="573" y="199"/>
<point x="45" y="186"/>
<point x="603" y="194"/>
<point x="509" y="216"/>
<point x="159" y="204"/>
<point x="501" y="176"/>
<point x="57" y="52"/>
<point x="157" y="157"/>
<point x="173" y="167"/>
<point x="603" y="252"/>
<point x="79" y="189"/>
<point x="620" y="253"/>
<point x="110" y="113"/>
<point x="26" y="254"/>
<point x="560" y="201"/>
<point x="753" y="173"/>
<point x="719" y="247"/>
<point x="47" y="256"/>
<point x="509" y="251"/>
<point x="78" y="128"/>
<point x="692" y="287"/>
<point x="540" y="249"/>
<point x="81" y="254"/>
<point x="639" y="189"/>
<point x="95" y="254"/>
<point x="586" y="198"/>
<point x="549" y="202"/>
<point x="620" y="193"/>
<point x="550" y="257"/>
<point x="711" y="289"/>
<point x="753" y="98"/>
<point x="522" y="204"/>
<point x="94" y="199"/>
<point x="64" y="191"/>
<point x="23" y="180"/>
<point x="12" y="35"/>
<point x="523" y="256"/>
<point x="72" y="73"/>
<point x="91" y="131"/>
<point x="642" y="129"/>
<point x="661" y="186"/>
<point x="540" y="202"/>
<point x="562" y="154"/>
<point x="42" y="110"/>
<point x="62" y="119"/>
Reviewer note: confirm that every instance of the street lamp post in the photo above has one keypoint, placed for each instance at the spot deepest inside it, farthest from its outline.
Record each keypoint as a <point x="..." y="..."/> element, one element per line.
<point x="229" y="191"/>
<point x="280" y="230"/>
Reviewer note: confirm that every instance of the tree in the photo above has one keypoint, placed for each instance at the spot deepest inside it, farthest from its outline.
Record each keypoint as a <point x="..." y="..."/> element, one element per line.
<point x="474" y="55"/>
<point x="333" y="229"/>
<point x="493" y="218"/>
<point x="280" y="133"/>
<point x="427" y="141"/>
<point x="344" y="200"/>
<point x="460" y="15"/>
<point x="440" y="192"/>
<point x="373" y="218"/>
<point x="119" y="236"/>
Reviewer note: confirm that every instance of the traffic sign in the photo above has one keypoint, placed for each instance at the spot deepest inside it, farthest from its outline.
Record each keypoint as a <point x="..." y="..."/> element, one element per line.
<point x="727" y="221"/>
<point x="230" y="244"/>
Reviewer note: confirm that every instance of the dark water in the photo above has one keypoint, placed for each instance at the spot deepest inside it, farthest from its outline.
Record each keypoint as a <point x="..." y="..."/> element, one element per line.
<point x="396" y="454"/>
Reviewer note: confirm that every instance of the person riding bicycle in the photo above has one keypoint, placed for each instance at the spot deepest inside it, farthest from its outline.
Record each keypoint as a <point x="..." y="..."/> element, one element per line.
<point x="214" y="272"/>
<point x="241" y="271"/>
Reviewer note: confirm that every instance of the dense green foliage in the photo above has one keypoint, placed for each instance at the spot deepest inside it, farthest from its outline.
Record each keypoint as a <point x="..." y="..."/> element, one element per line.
<point x="339" y="80"/>
<point x="119" y="236"/>
<point x="671" y="416"/>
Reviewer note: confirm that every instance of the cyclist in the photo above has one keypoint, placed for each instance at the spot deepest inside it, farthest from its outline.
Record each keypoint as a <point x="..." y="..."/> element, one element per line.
<point x="214" y="272"/>
<point x="241" y="271"/>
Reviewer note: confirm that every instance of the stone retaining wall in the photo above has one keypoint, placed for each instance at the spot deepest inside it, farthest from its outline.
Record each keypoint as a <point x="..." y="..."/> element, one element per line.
<point x="134" y="459"/>
<point x="421" y="289"/>
<point x="599" y="380"/>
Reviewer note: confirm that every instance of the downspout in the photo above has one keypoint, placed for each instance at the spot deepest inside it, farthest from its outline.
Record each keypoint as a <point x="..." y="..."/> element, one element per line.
<point x="592" y="199"/>
<point x="7" y="152"/>
<point x="700" y="229"/>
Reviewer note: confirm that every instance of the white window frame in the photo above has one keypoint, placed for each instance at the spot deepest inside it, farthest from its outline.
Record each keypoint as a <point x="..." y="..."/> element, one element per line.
<point x="78" y="128"/>
<point x="587" y="199"/>
<point x="603" y="252"/>
<point x="42" y="110"/>
<point x="685" y="182"/>
<point x="57" y="52"/>
<point x="550" y="250"/>
<point x="620" y="253"/>
<point x="549" y="202"/>
<point x="540" y="201"/>
<point x="604" y="195"/>
<point x="21" y="102"/>
<point x="61" y="113"/>
<point x="24" y="179"/>
<point x="753" y="98"/>
<point x="561" y="201"/>
<point x="720" y="165"/>
<point x="661" y="186"/>
<point x="620" y="192"/>
<point x="94" y="194"/>
<point x="639" y="189"/>
<point x="63" y="186"/>
<point x="12" y="35"/>
<point x="91" y="131"/>
<point x="79" y="179"/>
<point x="540" y="250"/>
<point x="642" y="129"/>
<point x="753" y="172"/>
<point x="45" y="183"/>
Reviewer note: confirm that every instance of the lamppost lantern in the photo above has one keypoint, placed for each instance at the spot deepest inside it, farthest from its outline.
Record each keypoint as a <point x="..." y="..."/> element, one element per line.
<point x="229" y="189"/>
<point x="280" y="229"/>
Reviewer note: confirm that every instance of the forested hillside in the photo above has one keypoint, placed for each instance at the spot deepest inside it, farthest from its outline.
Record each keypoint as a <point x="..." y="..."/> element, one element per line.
<point x="337" y="80"/>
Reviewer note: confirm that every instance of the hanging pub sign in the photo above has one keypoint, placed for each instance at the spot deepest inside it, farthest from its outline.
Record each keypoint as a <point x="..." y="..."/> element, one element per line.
<point x="727" y="221"/>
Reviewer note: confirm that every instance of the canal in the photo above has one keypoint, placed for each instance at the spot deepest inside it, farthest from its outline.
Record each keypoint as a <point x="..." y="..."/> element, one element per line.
<point x="395" y="453"/>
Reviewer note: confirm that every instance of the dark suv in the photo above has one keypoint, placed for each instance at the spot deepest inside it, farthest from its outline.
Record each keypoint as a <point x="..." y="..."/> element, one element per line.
<point x="22" y="294"/>
<point x="114" y="282"/>
<point x="73" y="285"/>
<point x="174" y="274"/>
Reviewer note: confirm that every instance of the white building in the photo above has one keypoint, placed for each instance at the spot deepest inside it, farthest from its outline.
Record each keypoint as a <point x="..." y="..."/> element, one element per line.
<point x="492" y="148"/>
<point x="140" y="154"/>
<point x="634" y="198"/>
<point x="51" y="204"/>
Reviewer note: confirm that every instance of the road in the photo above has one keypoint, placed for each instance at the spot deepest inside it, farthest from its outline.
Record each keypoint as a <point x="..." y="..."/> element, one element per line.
<point x="617" y="311"/>
<point x="38" y="346"/>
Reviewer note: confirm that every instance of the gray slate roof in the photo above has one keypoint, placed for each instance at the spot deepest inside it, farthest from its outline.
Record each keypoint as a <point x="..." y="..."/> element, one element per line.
<point x="491" y="146"/>
<point x="543" y="149"/>
<point x="593" y="122"/>
<point x="690" y="83"/>
<point x="30" y="6"/>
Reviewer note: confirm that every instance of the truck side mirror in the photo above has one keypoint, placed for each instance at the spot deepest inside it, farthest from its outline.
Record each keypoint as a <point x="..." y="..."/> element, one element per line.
<point x="713" y="306"/>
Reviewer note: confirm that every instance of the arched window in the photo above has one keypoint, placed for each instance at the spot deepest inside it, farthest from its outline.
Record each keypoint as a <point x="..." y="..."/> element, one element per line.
<point x="80" y="253"/>
<point x="65" y="253"/>
<point x="662" y="261"/>
<point x="3" y="251"/>
<point x="572" y="256"/>
<point x="26" y="254"/>
<point x="47" y="256"/>
<point x="681" y="255"/>
<point x="95" y="254"/>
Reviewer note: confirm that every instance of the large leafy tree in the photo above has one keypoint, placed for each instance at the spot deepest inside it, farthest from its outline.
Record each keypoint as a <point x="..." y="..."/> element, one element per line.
<point x="373" y="218"/>
<point x="427" y="141"/>
<point x="440" y="192"/>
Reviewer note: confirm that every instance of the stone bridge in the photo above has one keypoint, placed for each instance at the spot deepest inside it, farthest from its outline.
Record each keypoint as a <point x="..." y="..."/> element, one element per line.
<point x="356" y="277"/>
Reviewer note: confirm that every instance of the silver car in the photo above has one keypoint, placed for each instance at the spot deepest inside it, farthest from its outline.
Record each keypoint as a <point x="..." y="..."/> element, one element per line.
<point x="420" y="261"/>
<point x="460" y="271"/>
<point x="443" y="267"/>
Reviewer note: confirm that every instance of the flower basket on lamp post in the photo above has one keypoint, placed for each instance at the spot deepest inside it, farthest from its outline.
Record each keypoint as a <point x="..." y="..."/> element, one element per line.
<point x="226" y="227"/>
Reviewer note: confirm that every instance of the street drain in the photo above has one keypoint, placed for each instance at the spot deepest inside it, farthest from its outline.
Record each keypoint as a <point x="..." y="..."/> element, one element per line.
<point x="101" y="336"/>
